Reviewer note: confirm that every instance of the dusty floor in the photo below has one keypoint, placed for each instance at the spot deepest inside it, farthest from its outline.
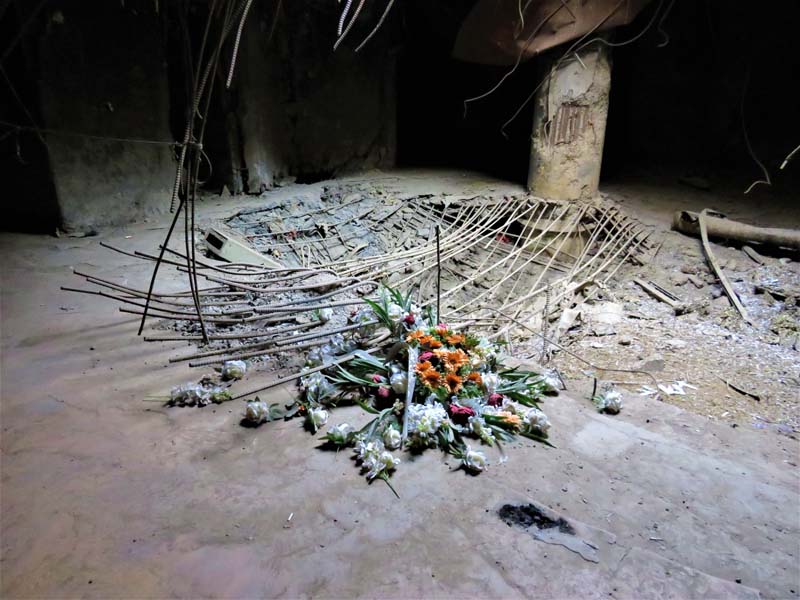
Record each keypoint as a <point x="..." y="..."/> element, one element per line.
<point x="108" y="494"/>
<point x="710" y="346"/>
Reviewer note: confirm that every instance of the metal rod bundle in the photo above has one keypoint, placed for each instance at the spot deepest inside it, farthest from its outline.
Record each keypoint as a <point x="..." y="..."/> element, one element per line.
<point x="492" y="264"/>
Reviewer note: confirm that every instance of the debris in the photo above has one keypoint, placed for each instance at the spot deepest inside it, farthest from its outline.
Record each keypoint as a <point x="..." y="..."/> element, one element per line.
<point x="653" y="363"/>
<point x="567" y="321"/>
<point x="678" y="388"/>
<point x="231" y="249"/>
<point x="740" y="389"/>
<point x="675" y="343"/>
<point x="625" y="340"/>
<point x="753" y="255"/>
<point x="679" y="279"/>
<point x="696" y="282"/>
<point x="776" y="293"/>
<point x="715" y="266"/>
<point x="721" y="302"/>
<point x="661" y="294"/>
<point x="603" y="317"/>
<point x="718" y="226"/>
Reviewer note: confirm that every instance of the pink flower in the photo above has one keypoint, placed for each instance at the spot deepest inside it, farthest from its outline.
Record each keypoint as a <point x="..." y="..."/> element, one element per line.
<point x="425" y="356"/>
<point x="495" y="399"/>
<point x="442" y="328"/>
<point x="461" y="414"/>
<point x="377" y="378"/>
<point x="410" y="319"/>
<point x="383" y="391"/>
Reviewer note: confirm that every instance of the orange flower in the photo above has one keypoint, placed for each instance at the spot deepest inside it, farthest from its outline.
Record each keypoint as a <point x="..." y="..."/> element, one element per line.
<point x="455" y="339"/>
<point x="431" y="378"/>
<point x="453" y="360"/>
<point x="475" y="378"/>
<point x="423" y="366"/>
<point x="415" y="335"/>
<point x="510" y="419"/>
<point x="453" y="382"/>
<point x="433" y="343"/>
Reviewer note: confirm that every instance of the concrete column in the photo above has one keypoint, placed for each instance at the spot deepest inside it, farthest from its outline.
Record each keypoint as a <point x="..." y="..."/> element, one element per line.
<point x="569" y="126"/>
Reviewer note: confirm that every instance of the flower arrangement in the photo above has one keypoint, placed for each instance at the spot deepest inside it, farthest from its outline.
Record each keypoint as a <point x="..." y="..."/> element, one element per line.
<point x="609" y="400"/>
<point x="429" y="386"/>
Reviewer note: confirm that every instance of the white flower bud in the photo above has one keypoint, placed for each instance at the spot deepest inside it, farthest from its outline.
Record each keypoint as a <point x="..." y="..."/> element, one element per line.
<point x="474" y="460"/>
<point x="317" y="417"/>
<point x="391" y="438"/>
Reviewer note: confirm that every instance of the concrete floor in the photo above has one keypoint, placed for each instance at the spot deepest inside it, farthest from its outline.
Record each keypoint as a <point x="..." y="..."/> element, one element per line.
<point x="107" y="495"/>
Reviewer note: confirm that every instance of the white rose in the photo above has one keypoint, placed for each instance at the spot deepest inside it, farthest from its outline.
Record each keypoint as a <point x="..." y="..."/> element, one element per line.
<point x="476" y="362"/>
<point x="490" y="381"/>
<point x="537" y="421"/>
<point x="474" y="460"/>
<point x="395" y="311"/>
<point x="256" y="412"/>
<point x="612" y="402"/>
<point x="391" y="438"/>
<point x="551" y="380"/>
<point x="317" y="417"/>
<point x="339" y="434"/>
<point x="381" y="462"/>
<point x="399" y="382"/>
<point x="365" y="450"/>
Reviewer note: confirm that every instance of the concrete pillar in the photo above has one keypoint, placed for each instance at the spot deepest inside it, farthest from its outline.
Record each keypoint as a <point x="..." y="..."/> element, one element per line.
<point x="569" y="126"/>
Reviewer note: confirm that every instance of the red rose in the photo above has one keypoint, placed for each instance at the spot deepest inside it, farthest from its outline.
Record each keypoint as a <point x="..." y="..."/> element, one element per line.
<point x="495" y="399"/>
<point x="377" y="378"/>
<point x="461" y="414"/>
<point x="410" y="319"/>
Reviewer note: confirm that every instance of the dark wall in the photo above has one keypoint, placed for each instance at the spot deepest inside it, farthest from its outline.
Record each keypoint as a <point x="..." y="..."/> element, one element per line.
<point x="103" y="73"/>
<point x="97" y="69"/>
<point x="29" y="197"/>
<point x="433" y="129"/>
<point x="726" y="65"/>
<point x="309" y="111"/>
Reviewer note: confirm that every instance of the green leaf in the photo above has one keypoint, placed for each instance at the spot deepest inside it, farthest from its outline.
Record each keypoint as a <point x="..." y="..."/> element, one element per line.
<point x="276" y="412"/>
<point x="367" y="407"/>
<point x="349" y="377"/>
<point x="363" y="358"/>
<point x="501" y="434"/>
<point x="376" y="421"/>
<point x="380" y="312"/>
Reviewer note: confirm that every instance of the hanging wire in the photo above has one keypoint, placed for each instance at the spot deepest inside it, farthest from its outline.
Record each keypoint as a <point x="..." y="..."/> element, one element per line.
<point x="377" y="27"/>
